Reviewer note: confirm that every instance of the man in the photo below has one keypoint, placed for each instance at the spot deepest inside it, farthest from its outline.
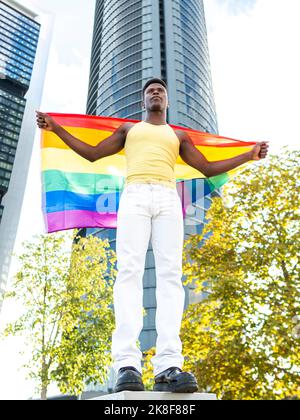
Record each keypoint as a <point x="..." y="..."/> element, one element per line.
<point x="150" y="208"/>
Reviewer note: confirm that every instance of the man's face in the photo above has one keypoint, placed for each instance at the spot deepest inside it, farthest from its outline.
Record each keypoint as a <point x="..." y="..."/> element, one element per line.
<point x="155" y="97"/>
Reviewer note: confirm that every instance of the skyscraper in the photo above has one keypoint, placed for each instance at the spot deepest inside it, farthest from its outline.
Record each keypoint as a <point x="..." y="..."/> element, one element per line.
<point x="135" y="40"/>
<point x="24" y="44"/>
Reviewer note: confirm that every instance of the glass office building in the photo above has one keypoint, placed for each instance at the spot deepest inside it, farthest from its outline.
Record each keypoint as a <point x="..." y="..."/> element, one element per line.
<point x="135" y="40"/>
<point x="24" y="45"/>
<point x="18" y="44"/>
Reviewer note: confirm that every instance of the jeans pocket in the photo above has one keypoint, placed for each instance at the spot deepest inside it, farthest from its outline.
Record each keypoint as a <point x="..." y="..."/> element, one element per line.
<point x="131" y="202"/>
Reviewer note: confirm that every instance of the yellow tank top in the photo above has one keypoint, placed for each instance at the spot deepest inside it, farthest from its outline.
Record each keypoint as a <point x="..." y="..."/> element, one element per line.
<point x="151" y="153"/>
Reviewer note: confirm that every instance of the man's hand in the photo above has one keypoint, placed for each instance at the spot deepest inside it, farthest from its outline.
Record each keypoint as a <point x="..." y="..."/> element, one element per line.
<point x="45" y="122"/>
<point x="259" y="151"/>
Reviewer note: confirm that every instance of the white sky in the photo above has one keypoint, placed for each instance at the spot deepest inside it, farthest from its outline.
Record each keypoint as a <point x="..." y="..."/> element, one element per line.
<point x="254" y="49"/>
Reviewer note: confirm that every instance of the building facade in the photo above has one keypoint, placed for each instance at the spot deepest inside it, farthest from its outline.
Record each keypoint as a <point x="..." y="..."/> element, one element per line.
<point x="135" y="40"/>
<point x="24" y="45"/>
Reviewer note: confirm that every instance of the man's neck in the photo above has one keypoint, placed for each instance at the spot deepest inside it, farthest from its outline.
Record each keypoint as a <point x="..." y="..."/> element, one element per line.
<point x="156" y="118"/>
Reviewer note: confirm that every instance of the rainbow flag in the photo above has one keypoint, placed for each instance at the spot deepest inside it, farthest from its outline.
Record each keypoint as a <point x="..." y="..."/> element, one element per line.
<point x="78" y="193"/>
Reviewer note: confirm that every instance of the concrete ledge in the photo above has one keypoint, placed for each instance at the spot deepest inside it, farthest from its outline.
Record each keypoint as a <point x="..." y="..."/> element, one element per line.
<point x="129" y="395"/>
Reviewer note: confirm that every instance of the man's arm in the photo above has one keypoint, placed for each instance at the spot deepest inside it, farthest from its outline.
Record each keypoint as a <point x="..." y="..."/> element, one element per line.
<point x="110" y="146"/>
<point x="191" y="155"/>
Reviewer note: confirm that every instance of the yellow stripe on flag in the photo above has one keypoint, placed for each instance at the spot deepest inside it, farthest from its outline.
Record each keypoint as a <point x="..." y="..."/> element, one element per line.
<point x="87" y="135"/>
<point x="69" y="161"/>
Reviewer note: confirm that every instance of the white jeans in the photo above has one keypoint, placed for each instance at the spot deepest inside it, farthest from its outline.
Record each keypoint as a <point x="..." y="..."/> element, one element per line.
<point x="148" y="211"/>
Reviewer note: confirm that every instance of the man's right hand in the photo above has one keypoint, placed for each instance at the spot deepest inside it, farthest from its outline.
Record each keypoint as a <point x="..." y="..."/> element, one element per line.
<point x="45" y="122"/>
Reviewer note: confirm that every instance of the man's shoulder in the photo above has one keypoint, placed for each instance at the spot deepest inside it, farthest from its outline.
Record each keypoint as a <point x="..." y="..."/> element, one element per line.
<point x="180" y="134"/>
<point x="127" y="126"/>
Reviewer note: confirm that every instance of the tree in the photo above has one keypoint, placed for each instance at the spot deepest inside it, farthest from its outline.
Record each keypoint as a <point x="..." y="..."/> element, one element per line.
<point x="68" y="317"/>
<point x="148" y="372"/>
<point x="242" y="339"/>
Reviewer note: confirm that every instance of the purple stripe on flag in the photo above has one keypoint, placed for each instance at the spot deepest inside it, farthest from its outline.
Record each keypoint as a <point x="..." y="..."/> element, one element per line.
<point x="76" y="219"/>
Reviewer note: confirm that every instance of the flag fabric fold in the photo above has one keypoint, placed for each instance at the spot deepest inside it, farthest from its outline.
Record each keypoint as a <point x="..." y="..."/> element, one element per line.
<point x="81" y="194"/>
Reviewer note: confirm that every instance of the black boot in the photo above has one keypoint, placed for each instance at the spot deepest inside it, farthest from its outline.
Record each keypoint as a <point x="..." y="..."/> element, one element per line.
<point x="174" y="380"/>
<point x="129" y="379"/>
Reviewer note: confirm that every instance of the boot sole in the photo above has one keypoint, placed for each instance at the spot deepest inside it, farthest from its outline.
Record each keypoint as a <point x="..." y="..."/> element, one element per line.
<point x="187" y="388"/>
<point x="129" y="386"/>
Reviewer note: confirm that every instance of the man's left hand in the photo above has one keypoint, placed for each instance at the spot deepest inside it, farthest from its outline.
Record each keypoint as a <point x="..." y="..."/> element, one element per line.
<point x="259" y="151"/>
